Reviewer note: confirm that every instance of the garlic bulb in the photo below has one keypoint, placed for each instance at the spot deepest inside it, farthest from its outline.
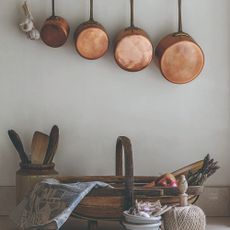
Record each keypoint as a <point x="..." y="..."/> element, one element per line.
<point x="34" y="34"/>
<point x="28" y="26"/>
<point x="144" y="214"/>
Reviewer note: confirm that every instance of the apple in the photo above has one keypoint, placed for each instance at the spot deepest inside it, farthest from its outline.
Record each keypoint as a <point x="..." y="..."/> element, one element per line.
<point x="167" y="180"/>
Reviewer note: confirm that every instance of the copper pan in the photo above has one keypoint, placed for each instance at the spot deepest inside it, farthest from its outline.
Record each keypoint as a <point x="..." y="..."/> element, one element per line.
<point x="178" y="56"/>
<point x="91" y="39"/>
<point x="55" y="30"/>
<point x="133" y="48"/>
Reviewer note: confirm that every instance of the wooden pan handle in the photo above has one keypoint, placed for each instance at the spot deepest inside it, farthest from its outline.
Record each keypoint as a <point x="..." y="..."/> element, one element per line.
<point x="124" y="146"/>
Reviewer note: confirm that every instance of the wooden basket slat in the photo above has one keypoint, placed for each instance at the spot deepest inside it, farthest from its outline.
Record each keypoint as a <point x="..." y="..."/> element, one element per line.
<point x="120" y="191"/>
<point x="106" y="179"/>
<point x="108" y="203"/>
<point x="92" y="207"/>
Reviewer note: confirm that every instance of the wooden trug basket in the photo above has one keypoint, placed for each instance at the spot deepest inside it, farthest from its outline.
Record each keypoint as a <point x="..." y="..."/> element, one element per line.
<point x="109" y="203"/>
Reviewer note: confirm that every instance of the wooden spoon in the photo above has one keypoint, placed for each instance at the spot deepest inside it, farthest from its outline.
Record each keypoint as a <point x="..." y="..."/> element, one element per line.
<point x="14" y="137"/>
<point x="39" y="147"/>
<point x="53" y="144"/>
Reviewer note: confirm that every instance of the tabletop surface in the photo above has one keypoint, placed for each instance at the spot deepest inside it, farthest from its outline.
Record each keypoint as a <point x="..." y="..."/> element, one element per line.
<point x="214" y="223"/>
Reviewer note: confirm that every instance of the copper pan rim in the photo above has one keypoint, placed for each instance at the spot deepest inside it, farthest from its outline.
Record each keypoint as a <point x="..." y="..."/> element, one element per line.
<point x="91" y="26"/>
<point x="131" y="70"/>
<point x="55" y="22"/>
<point x="133" y="33"/>
<point x="159" y="61"/>
<point x="50" y="44"/>
<point x="181" y="83"/>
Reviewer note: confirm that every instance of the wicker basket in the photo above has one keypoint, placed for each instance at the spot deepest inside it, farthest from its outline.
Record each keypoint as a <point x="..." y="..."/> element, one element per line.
<point x="109" y="203"/>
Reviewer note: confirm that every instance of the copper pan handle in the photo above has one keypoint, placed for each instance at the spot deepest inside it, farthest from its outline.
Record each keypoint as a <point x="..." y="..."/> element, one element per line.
<point x="131" y="13"/>
<point x="180" y="26"/>
<point x="91" y="11"/>
<point x="53" y="8"/>
<point x="180" y="23"/>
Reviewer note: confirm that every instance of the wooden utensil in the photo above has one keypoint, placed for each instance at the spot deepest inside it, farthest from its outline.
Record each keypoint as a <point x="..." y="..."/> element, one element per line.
<point x="91" y="39"/>
<point x="53" y="144"/>
<point x="133" y="49"/>
<point x="39" y="147"/>
<point x="14" y="137"/>
<point x="55" y="30"/>
<point x="178" y="56"/>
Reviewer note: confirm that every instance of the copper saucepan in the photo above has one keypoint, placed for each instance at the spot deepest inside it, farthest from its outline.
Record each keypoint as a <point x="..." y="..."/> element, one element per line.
<point x="133" y="48"/>
<point x="178" y="56"/>
<point x="55" y="30"/>
<point x="91" y="39"/>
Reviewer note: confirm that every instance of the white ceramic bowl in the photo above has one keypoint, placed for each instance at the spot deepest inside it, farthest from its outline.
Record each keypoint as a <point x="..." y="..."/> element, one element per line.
<point x="142" y="226"/>
<point x="140" y="219"/>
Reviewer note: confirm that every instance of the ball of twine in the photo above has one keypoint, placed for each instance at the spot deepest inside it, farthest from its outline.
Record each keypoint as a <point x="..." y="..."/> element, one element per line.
<point x="185" y="218"/>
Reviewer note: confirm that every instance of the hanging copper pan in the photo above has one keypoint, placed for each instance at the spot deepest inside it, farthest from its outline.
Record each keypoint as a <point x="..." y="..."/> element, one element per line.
<point x="55" y="30"/>
<point x="91" y="39"/>
<point x="178" y="56"/>
<point x="133" y="49"/>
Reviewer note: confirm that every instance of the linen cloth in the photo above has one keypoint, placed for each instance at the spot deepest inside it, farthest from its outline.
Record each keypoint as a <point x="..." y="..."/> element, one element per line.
<point x="50" y="204"/>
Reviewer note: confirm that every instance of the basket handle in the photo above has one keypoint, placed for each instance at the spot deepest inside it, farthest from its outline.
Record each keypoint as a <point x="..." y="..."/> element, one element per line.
<point x="124" y="146"/>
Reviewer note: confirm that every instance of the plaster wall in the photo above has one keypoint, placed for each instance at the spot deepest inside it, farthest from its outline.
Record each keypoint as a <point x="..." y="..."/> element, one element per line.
<point x="93" y="102"/>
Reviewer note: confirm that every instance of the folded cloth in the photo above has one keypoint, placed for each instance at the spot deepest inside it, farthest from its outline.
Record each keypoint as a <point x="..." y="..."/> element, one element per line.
<point x="50" y="204"/>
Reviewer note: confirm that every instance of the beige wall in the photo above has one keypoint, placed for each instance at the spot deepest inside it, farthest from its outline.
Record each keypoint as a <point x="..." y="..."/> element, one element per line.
<point x="94" y="101"/>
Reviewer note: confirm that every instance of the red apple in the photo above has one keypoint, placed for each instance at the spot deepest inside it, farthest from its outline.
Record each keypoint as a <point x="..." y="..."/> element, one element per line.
<point x="167" y="180"/>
